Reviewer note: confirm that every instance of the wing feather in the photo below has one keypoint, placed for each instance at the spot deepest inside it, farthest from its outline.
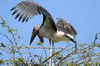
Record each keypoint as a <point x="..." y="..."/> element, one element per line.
<point x="65" y="27"/>
<point x="27" y="9"/>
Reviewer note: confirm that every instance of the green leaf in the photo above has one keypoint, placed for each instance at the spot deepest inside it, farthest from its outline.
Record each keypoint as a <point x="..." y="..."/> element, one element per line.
<point x="21" y="59"/>
<point x="7" y="26"/>
<point x="19" y="47"/>
<point x="59" y="58"/>
<point x="10" y="30"/>
<point x="3" y="23"/>
<point x="59" y="53"/>
<point x="1" y="62"/>
<point x="13" y="50"/>
<point x="1" y="53"/>
<point x="98" y="45"/>
<point x="39" y="43"/>
<point x="19" y="36"/>
<point x="2" y="45"/>
<point x="7" y="63"/>
<point x="26" y="47"/>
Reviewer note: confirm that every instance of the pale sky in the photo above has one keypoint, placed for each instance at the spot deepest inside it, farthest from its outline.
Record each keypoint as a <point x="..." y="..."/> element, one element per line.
<point x="84" y="15"/>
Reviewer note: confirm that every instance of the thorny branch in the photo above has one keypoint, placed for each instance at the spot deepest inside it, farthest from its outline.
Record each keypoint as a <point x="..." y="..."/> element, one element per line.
<point x="69" y="54"/>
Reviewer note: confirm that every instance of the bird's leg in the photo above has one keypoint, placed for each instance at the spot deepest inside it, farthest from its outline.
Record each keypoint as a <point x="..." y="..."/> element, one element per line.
<point x="51" y="63"/>
<point x="75" y="47"/>
<point x="49" y="41"/>
<point x="51" y="45"/>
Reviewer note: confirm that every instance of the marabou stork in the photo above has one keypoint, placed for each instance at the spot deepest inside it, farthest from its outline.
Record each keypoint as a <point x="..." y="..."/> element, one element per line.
<point x="65" y="32"/>
<point x="61" y="31"/>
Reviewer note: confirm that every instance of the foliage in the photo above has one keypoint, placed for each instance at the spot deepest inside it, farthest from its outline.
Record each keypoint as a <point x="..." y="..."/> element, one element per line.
<point x="19" y="54"/>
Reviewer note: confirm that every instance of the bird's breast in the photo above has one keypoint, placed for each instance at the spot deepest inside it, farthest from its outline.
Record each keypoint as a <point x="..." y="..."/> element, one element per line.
<point x="59" y="36"/>
<point x="54" y="36"/>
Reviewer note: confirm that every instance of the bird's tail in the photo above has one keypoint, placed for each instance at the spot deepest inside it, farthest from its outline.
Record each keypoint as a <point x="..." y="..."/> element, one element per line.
<point x="73" y="40"/>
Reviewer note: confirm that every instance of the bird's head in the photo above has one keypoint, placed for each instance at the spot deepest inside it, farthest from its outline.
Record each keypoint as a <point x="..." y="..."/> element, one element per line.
<point x="36" y="28"/>
<point x="36" y="33"/>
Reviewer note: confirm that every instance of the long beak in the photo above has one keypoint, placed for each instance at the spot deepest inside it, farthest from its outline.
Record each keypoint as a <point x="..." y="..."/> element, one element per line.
<point x="33" y="36"/>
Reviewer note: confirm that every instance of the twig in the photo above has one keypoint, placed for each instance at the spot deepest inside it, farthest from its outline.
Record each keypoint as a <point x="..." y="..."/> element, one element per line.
<point x="52" y="56"/>
<point x="65" y="58"/>
<point x="96" y="37"/>
<point x="7" y="38"/>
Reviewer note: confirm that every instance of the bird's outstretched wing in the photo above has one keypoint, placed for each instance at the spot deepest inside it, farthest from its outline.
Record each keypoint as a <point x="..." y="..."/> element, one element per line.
<point x="26" y="9"/>
<point x="65" y="27"/>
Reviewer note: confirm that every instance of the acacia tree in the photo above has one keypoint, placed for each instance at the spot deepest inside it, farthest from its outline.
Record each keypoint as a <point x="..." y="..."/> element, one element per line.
<point x="16" y="53"/>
